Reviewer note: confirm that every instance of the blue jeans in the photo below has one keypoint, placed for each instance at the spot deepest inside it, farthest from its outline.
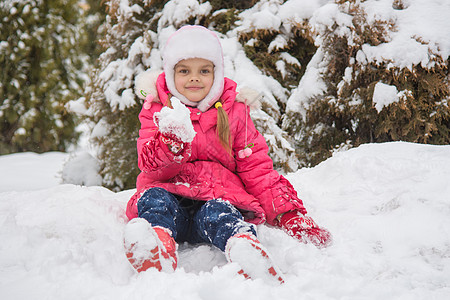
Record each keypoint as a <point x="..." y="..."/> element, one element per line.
<point x="213" y="222"/>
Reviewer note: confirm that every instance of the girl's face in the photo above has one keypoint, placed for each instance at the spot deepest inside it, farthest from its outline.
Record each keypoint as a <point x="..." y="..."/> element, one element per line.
<point x="194" y="78"/>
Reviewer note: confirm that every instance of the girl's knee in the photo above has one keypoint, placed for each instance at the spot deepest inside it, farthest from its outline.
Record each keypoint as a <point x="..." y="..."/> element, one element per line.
<point x="160" y="208"/>
<point x="155" y="198"/>
<point x="218" y="208"/>
<point x="218" y="220"/>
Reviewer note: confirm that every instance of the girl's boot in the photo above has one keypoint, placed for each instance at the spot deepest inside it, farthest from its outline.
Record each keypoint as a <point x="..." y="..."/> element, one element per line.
<point x="245" y="250"/>
<point x="149" y="247"/>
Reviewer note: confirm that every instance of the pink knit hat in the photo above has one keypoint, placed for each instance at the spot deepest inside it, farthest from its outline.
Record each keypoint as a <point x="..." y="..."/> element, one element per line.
<point x="194" y="42"/>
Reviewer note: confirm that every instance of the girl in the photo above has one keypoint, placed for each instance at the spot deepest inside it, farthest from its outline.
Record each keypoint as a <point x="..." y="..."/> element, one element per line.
<point x="205" y="173"/>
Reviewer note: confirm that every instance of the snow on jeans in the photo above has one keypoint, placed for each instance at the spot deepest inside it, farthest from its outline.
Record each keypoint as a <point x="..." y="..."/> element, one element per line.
<point x="214" y="221"/>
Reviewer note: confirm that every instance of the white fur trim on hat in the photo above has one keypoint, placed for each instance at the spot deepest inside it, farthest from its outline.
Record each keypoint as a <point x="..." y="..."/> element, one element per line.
<point x="194" y="42"/>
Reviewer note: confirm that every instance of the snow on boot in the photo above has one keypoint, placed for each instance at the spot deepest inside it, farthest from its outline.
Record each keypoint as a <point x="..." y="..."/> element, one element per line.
<point x="245" y="250"/>
<point x="149" y="247"/>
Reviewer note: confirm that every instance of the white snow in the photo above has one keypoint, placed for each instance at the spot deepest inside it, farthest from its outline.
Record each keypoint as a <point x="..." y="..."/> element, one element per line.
<point x="299" y="10"/>
<point x="177" y="11"/>
<point x="139" y="236"/>
<point x="311" y="84"/>
<point x="249" y="256"/>
<point x="422" y="31"/>
<point x="81" y="168"/>
<point x="387" y="206"/>
<point x="383" y="95"/>
<point x="30" y="171"/>
<point x="176" y="121"/>
<point x="261" y="16"/>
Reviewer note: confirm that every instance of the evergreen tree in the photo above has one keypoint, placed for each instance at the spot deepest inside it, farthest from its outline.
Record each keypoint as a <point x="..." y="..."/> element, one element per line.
<point x="41" y="70"/>
<point x="344" y="112"/>
<point x="94" y="15"/>
<point x="279" y="42"/>
<point x="135" y="35"/>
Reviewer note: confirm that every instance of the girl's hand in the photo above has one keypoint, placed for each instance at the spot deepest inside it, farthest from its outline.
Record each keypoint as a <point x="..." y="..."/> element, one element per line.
<point x="305" y="229"/>
<point x="174" y="144"/>
<point x="175" y="124"/>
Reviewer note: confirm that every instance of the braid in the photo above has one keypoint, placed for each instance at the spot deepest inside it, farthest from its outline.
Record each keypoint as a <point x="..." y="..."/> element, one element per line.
<point x="223" y="127"/>
<point x="169" y="103"/>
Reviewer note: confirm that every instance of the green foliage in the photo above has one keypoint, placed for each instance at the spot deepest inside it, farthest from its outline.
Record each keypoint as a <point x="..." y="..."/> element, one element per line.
<point x="119" y="156"/>
<point x="293" y="57"/>
<point x="94" y="14"/>
<point x="223" y="21"/>
<point x="345" y="115"/>
<point x="233" y="4"/>
<point x="422" y="115"/>
<point x="299" y="46"/>
<point x="40" y="72"/>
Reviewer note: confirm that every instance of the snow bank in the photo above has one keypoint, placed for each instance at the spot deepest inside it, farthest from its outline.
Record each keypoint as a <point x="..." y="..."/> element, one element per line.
<point x="30" y="171"/>
<point x="81" y="168"/>
<point x="387" y="206"/>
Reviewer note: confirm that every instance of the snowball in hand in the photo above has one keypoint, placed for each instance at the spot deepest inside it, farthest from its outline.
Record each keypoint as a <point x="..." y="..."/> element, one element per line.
<point x="176" y="121"/>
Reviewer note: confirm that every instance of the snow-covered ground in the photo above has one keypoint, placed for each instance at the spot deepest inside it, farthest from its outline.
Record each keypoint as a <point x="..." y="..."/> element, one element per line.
<point x="387" y="205"/>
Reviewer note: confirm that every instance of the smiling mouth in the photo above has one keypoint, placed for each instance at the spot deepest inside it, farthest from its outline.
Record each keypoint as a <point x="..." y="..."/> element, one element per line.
<point x="194" y="88"/>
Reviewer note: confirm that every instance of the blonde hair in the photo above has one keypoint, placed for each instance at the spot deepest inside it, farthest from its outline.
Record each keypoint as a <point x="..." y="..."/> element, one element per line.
<point x="223" y="128"/>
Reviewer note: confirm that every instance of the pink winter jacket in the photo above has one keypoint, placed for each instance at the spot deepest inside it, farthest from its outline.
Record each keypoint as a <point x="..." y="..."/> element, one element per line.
<point x="207" y="171"/>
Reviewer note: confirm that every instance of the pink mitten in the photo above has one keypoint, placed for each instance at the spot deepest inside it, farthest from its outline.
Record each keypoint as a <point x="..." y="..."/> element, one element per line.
<point x="174" y="143"/>
<point x="305" y="229"/>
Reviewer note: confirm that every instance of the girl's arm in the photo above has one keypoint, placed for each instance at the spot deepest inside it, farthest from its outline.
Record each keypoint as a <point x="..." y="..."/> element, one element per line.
<point x="275" y="193"/>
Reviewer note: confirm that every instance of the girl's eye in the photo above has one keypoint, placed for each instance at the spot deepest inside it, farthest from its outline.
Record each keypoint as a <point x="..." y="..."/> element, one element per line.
<point x="205" y="71"/>
<point x="183" y="71"/>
